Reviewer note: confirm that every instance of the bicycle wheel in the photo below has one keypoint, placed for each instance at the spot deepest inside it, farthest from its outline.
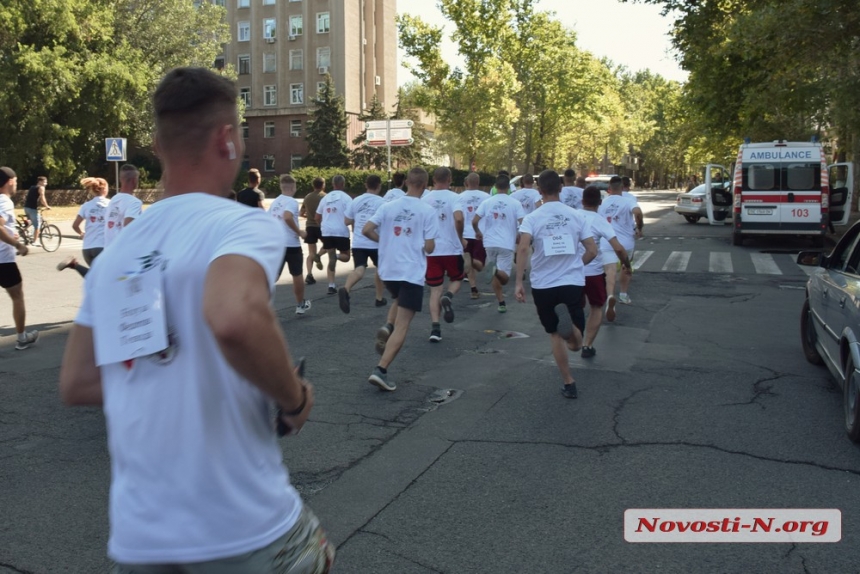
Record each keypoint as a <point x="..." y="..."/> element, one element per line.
<point x="50" y="238"/>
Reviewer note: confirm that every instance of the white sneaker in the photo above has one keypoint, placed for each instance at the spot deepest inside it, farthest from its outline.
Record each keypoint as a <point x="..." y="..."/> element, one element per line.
<point x="305" y="306"/>
<point x="624" y="298"/>
<point x="30" y="337"/>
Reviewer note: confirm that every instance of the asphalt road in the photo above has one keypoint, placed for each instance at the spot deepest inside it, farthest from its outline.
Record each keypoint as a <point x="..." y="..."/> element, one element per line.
<point x="699" y="397"/>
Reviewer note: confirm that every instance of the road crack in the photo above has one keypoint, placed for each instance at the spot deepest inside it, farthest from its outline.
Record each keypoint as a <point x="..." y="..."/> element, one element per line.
<point x="617" y="412"/>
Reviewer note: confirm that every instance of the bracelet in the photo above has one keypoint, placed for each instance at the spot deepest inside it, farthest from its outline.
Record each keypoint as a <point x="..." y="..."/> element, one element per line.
<point x="301" y="406"/>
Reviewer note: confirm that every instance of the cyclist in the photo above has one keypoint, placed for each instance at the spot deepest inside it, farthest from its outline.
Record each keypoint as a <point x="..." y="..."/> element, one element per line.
<point x="36" y="199"/>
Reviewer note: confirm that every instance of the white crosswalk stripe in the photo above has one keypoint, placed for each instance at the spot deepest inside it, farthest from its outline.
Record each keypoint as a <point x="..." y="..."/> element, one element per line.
<point x="723" y="262"/>
<point x="640" y="257"/>
<point x="678" y="261"/>
<point x="720" y="262"/>
<point x="765" y="264"/>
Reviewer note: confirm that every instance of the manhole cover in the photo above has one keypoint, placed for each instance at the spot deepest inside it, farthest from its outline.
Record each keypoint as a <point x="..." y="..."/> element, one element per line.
<point x="507" y="334"/>
<point x="443" y="396"/>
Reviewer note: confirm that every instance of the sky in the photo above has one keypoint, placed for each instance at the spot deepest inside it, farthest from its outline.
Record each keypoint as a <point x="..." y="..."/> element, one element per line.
<point x="635" y="35"/>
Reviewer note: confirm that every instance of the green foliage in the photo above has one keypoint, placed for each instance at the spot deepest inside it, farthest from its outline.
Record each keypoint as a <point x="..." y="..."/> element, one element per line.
<point x="326" y="134"/>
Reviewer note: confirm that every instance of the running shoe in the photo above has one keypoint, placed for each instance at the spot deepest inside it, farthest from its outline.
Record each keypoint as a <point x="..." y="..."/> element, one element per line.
<point x="380" y="379"/>
<point x="447" y="308"/>
<point x="309" y="280"/>
<point x="382" y="335"/>
<point x="30" y="337"/>
<point x="569" y="391"/>
<point x="381" y="302"/>
<point x="565" y="323"/>
<point x="503" y="308"/>
<point x="66" y="263"/>
<point x="435" y="335"/>
<point x="343" y="299"/>
<point x="475" y="294"/>
<point x="610" y="308"/>
<point x="624" y="298"/>
<point x="318" y="261"/>
<point x="588" y="352"/>
<point x="332" y="291"/>
<point x="305" y="306"/>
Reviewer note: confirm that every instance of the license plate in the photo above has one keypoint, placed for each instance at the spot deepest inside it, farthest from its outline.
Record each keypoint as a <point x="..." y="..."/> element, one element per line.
<point x="759" y="211"/>
<point x="685" y="201"/>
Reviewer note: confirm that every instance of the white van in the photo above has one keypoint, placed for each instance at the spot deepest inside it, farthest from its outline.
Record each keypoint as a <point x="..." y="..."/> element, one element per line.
<point x="782" y="188"/>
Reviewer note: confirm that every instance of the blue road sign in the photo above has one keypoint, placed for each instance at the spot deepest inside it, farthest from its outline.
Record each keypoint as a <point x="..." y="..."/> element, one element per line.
<point x="115" y="149"/>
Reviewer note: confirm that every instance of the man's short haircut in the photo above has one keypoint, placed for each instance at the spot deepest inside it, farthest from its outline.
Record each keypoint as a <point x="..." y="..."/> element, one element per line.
<point x="625" y="181"/>
<point x="504" y="172"/>
<point x="569" y="173"/>
<point x="615" y="183"/>
<point x="373" y="182"/>
<point x="41" y="180"/>
<point x="591" y="196"/>
<point x="580" y="182"/>
<point x="549" y="182"/>
<point x="189" y="104"/>
<point x="318" y="183"/>
<point x="287" y="179"/>
<point x="338" y="182"/>
<point x="503" y="182"/>
<point x="472" y="179"/>
<point x="441" y="175"/>
<point x="128" y="172"/>
<point x="417" y="177"/>
<point x="528" y="179"/>
<point x="253" y="175"/>
<point x="6" y="173"/>
<point x="398" y="178"/>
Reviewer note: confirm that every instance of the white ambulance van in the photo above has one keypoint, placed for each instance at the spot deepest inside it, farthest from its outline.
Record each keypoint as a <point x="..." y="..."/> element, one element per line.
<point x="782" y="188"/>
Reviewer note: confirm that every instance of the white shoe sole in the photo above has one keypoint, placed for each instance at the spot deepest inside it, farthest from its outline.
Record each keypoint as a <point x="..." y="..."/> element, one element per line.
<point x="378" y="382"/>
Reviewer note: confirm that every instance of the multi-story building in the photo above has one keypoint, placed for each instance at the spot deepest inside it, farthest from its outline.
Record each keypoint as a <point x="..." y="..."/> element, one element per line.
<point x="283" y="50"/>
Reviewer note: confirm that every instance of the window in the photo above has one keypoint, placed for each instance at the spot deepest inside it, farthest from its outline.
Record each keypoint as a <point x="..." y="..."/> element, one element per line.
<point x="323" y="57"/>
<point x="803" y="176"/>
<point x="244" y="34"/>
<point x="245" y="96"/>
<point x="296" y="128"/>
<point x="295" y="161"/>
<point x="323" y="22"/>
<point x="245" y="129"/>
<point x="268" y="163"/>
<point x="268" y="2"/>
<point x="759" y="177"/>
<point x="219" y="3"/>
<point x="296" y="60"/>
<point x="295" y="25"/>
<point x="270" y="64"/>
<point x="269" y="130"/>
<point x="219" y="63"/>
<point x="270" y="95"/>
<point x="244" y="3"/>
<point x="270" y="26"/>
<point x="246" y="162"/>
<point x="244" y="64"/>
<point x="297" y="93"/>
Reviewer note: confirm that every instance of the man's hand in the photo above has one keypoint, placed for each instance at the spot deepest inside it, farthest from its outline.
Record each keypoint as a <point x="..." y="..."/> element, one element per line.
<point x="303" y="234"/>
<point x="520" y="292"/>
<point x="638" y="233"/>
<point x="296" y="422"/>
<point x="479" y="236"/>
<point x="22" y="249"/>
<point x="464" y="242"/>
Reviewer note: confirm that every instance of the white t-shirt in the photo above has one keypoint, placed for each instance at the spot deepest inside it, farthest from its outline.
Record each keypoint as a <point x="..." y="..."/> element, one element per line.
<point x="121" y="207"/>
<point x="281" y="205"/>
<point x="7" y="220"/>
<point x="618" y="211"/>
<point x="527" y="197"/>
<point x="443" y="202"/>
<point x="197" y="472"/>
<point x="571" y="196"/>
<point x="602" y="232"/>
<point x="332" y="207"/>
<point x="467" y="204"/>
<point x="93" y="213"/>
<point x="393" y="193"/>
<point x="556" y="224"/>
<point x="403" y="226"/>
<point x="361" y="210"/>
<point x="500" y="215"/>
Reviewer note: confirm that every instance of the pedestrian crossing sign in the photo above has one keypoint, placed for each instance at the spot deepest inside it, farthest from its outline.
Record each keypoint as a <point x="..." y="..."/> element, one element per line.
<point x="115" y="149"/>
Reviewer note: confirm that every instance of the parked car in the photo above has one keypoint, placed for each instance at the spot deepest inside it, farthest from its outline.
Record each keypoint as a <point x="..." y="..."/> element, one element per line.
<point x="692" y="203"/>
<point x="830" y="320"/>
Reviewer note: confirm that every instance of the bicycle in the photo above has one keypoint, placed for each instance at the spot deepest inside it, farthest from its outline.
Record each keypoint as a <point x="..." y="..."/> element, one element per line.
<point x="49" y="234"/>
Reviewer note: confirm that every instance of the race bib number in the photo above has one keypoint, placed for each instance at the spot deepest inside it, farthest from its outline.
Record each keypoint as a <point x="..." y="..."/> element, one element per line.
<point x="132" y="322"/>
<point x="559" y="245"/>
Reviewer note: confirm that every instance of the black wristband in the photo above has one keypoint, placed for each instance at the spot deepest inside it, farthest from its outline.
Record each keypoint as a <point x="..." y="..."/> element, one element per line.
<point x="301" y="406"/>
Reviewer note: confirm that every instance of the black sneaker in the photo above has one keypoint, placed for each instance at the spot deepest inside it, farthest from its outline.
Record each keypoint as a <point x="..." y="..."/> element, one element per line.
<point x="435" y="335"/>
<point x="332" y="291"/>
<point x="448" y="309"/>
<point x="343" y="299"/>
<point x="569" y="391"/>
<point x="380" y="379"/>
<point x="309" y="280"/>
<point x="382" y="335"/>
<point x="565" y="323"/>
<point x="381" y="302"/>
<point x="588" y="352"/>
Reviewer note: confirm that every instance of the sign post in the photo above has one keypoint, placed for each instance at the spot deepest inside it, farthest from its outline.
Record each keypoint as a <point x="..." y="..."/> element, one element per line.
<point x="115" y="151"/>
<point x="389" y="133"/>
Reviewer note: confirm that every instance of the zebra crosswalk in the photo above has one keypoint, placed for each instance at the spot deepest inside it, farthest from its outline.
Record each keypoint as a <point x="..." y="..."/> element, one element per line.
<point x="735" y="262"/>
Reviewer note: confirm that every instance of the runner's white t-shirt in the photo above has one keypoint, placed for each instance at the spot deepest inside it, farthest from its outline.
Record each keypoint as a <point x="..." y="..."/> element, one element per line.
<point x="197" y="472"/>
<point x="467" y="204"/>
<point x="618" y="211"/>
<point x="443" y="202"/>
<point x="332" y="207"/>
<point x="94" y="213"/>
<point x="282" y="204"/>
<point x="7" y="220"/>
<point x="500" y="215"/>
<point x="557" y="234"/>
<point x="403" y="225"/>
<point x="527" y="197"/>
<point x="602" y="232"/>
<point x="571" y="196"/>
<point x="121" y="207"/>
<point x="361" y="210"/>
<point x="393" y="193"/>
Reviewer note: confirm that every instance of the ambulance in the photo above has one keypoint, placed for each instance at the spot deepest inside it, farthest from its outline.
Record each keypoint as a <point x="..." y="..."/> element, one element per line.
<point x="780" y="188"/>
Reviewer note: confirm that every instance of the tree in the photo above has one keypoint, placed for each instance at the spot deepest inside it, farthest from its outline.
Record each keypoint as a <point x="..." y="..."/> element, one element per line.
<point x="326" y="134"/>
<point x="77" y="71"/>
<point x="364" y="156"/>
<point x="414" y="154"/>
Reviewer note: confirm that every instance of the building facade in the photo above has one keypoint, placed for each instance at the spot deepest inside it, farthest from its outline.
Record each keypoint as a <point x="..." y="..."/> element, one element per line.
<point x="283" y="50"/>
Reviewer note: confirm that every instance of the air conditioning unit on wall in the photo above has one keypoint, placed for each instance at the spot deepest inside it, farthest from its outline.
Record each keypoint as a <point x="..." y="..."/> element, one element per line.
<point x="270" y="40"/>
<point x="323" y="70"/>
<point x="291" y="38"/>
<point x="378" y="81"/>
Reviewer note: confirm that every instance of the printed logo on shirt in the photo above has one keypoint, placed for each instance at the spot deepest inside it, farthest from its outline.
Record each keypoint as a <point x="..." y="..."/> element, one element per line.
<point x="557" y="222"/>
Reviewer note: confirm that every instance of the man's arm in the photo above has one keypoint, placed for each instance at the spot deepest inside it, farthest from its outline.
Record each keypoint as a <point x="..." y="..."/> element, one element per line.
<point x="620" y="252"/>
<point x="291" y="223"/>
<point x="236" y="306"/>
<point x="522" y="257"/>
<point x="77" y="226"/>
<point x="478" y="235"/>
<point x="127" y="221"/>
<point x="42" y="199"/>
<point x="318" y="218"/>
<point x="590" y="250"/>
<point x="80" y="378"/>
<point x="429" y="246"/>
<point x="370" y="232"/>
<point x="640" y="221"/>
<point x="5" y="237"/>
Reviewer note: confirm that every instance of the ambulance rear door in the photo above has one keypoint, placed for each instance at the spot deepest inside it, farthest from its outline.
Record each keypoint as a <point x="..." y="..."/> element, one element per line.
<point x="841" y="176"/>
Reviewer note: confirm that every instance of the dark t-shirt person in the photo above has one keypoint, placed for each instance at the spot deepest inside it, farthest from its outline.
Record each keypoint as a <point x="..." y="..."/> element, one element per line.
<point x="251" y="196"/>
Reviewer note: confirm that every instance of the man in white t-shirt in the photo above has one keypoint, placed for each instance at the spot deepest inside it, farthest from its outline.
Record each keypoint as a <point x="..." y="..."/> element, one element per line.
<point x="398" y="181"/>
<point x="447" y="258"/>
<point x="187" y="358"/>
<point x="527" y="195"/>
<point x="595" y="277"/>
<point x="285" y="208"/>
<point x="359" y="212"/>
<point x="571" y="194"/>
<point x="335" y="233"/>
<point x="501" y="216"/>
<point x="406" y="230"/>
<point x="124" y="207"/>
<point x="10" y="275"/>
<point x="474" y="254"/>
<point x="625" y="216"/>
<point x="557" y="276"/>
